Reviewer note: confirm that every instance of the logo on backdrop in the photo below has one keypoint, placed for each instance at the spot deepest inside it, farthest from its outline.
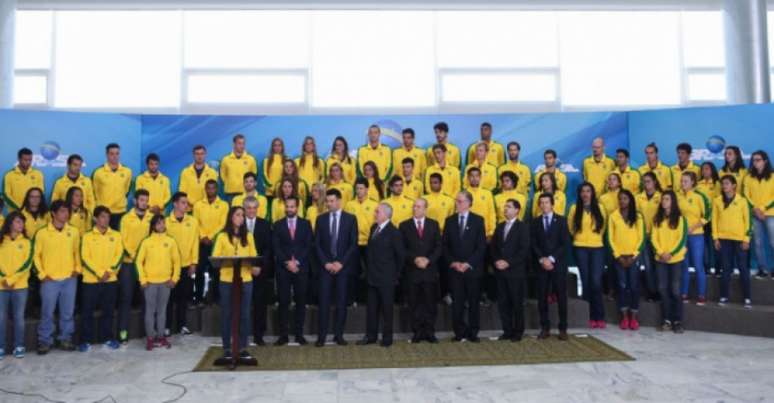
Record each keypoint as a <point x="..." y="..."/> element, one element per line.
<point x="565" y="167"/>
<point x="714" y="150"/>
<point x="392" y="133"/>
<point x="50" y="155"/>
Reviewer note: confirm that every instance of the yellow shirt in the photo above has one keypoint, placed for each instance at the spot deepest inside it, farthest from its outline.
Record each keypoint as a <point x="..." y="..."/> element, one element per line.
<point x="622" y="238"/>
<point x="310" y="173"/>
<point x="101" y="253"/>
<point x="233" y="247"/>
<point x="57" y="252"/>
<point x="278" y="209"/>
<point x="739" y="176"/>
<point x="158" y="188"/>
<point x="488" y="176"/>
<point x="211" y="217"/>
<point x="453" y="156"/>
<point x="609" y="201"/>
<point x="502" y="197"/>
<point x="364" y="214"/>
<point x="451" y="179"/>
<point x="586" y="236"/>
<point x="484" y="205"/>
<point x="414" y="189"/>
<point x="311" y="214"/>
<point x="133" y="230"/>
<point x="495" y="154"/>
<point x="677" y="172"/>
<point x="63" y="184"/>
<point x="373" y="191"/>
<point x="666" y="239"/>
<point x="81" y="220"/>
<point x="630" y="179"/>
<point x="349" y="169"/>
<point x="662" y="172"/>
<point x="32" y="224"/>
<point x="347" y="192"/>
<point x="732" y="222"/>
<point x="560" y="204"/>
<point x="595" y="172"/>
<point x="439" y="207"/>
<point x="263" y="203"/>
<point x="186" y="234"/>
<point x="709" y="188"/>
<point x="192" y="185"/>
<point x="561" y="179"/>
<point x="381" y="156"/>
<point x="402" y="208"/>
<point x="695" y="207"/>
<point x="272" y="176"/>
<point x="111" y="188"/>
<point x="233" y="170"/>
<point x="522" y="172"/>
<point x="158" y="260"/>
<point x="16" y="184"/>
<point x="760" y="192"/>
<point x="648" y="208"/>
<point x="416" y="153"/>
<point x="15" y="262"/>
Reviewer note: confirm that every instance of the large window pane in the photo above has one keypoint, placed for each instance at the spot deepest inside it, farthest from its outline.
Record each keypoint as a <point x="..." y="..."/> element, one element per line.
<point x="33" y="39"/>
<point x="703" y="43"/>
<point x="246" y="39"/>
<point x="499" y="87"/>
<point x="487" y="39"/>
<point x="619" y="58"/>
<point x="373" y="59"/>
<point x="30" y="89"/>
<point x="118" y="59"/>
<point x="246" y="88"/>
<point x="706" y="86"/>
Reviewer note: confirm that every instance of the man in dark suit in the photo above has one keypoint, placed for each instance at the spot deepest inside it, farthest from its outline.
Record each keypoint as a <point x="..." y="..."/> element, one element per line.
<point x="292" y="240"/>
<point x="550" y="239"/>
<point x="385" y="261"/>
<point x="509" y="251"/>
<point x="262" y="283"/>
<point x="336" y="249"/>
<point x="422" y="239"/>
<point x="464" y="247"/>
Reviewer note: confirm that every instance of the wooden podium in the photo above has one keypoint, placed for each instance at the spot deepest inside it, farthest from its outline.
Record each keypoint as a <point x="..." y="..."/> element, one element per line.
<point x="236" y="304"/>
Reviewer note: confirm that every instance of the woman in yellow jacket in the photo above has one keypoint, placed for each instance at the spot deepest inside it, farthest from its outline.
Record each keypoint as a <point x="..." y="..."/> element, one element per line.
<point x="548" y="185"/>
<point x="286" y="189"/>
<point x="696" y="208"/>
<point x="158" y="269"/>
<point x="35" y="211"/>
<point x="272" y="166"/>
<point x="235" y="240"/>
<point x="626" y="236"/>
<point x="340" y="155"/>
<point x="80" y="216"/>
<point x="337" y="180"/>
<point x="290" y="171"/>
<point x="731" y="230"/>
<point x="311" y="167"/>
<point x="317" y="205"/>
<point x="609" y="199"/>
<point x="587" y="226"/>
<point x="647" y="204"/>
<point x="759" y="189"/>
<point x="15" y="264"/>
<point x="668" y="237"/>
<point x="734" y="166"/>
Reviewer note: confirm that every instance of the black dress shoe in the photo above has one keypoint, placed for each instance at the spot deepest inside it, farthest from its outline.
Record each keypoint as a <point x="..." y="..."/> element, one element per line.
<point x="432" y="339"/>
<point x="386" y="343"/>
<point x="504" y="337"/>
<point x="516" y="339"/>
<point x="544" y="334"/>
<point x="563" y="335"/>
<point x="283" y="340"/>
<point x="474" y="339"/>
<point x="319" y="343"/>
<point x="301" y="340"/>
<point x="416" y="339"/>
<point x="365" y="341"/>
<point x="259" y="342"/>
<point x="340" y="341"/>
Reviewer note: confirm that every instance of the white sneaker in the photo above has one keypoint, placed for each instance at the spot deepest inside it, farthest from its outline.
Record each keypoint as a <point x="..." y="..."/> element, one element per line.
<point x="747" y="303"/>
<point x="167" y="333"/>
<point x="447" y="299"/>
<point x="723" y="302"/>
<point x="185" y="331"/>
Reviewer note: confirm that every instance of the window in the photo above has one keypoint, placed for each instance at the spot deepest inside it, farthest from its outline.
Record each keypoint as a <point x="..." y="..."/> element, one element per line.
<point x="704" y="56"/>
<point x="498" y="87"/>
<point x="30" y="89"/>
<point x="706" y="86"/>
<point x="246" y="88"/>
<point x="33" y="35"/>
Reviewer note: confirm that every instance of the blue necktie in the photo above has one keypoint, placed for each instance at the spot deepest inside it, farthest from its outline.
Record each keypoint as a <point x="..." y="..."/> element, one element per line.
<point x="334" y="235"/>
<point x="546" y="223"/>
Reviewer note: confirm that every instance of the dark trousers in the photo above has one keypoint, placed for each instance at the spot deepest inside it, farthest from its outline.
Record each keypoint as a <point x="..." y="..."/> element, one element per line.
<point x="126" y="288"/>
<point x="261" y="286"/>
<point x="628" y="286"/>
<point x="327" y="283"/>
<point x="102" y="296"/>
<point x="732" y="256"/>
<point x="226" y="314"/>
<point x="178" y="302"/>
<point x="465" y="289"/>
<point x="423" y="302"/>
<point x="669" y="278"/>
<point x="115" y="221"/>
<point x="380" y="304"/>
<point x="591" y="264"/>
<point x="358" y="287"/>
<point x="510" y="304"/>
<point x="203" y="267"/>
<point x="556" y="281"/>
<point x="296" y="285"/>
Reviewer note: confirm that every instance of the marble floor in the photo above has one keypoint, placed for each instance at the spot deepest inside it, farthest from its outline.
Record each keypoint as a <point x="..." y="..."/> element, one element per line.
<point x="693" y="367"/>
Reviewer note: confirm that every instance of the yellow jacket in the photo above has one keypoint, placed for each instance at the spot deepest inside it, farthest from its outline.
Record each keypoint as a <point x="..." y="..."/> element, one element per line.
<point x="349" y="168"/>
<point x="271" y="176"/>
<point x="561" y="179"/>
<point x="311" y="214"/>
<point x="15" y="262"/>
<point x="648" y="208"/>
<point x="677" y="172"/>
<point x="186" y="234"/>
<point x="732" y="222"/>
<point x="402" y="208"/>
<point x="585" y="236"/>
<point x="158" y="188"/>
<point x="63" y="184"/>
<point x="623" y="239"/>
<point x="278" y="209"/>
<point x="760" y="192"/>
<point x="503" y="197"/>
<point x="381" y="156"/>
<point x="308" y="172"/>
<point x="233" y="247"/>
<point x="439" y="207"/>
<point x="662" y="172"/>
<point x="609" y="201"/>
<point x="81" y="220"/>
<point x="489" y="180"/>
<point x="101" y="253"/>
<point x="373" y="192"/>
<point x="416" y="153"/>
<point x="364" y="214"/>
<point x="133" y="230"/>
<point x="32" y="224"/>
<point x="695" y="207"/>
<point x="451" y="179"/>
<point x="709" y="188"/>
<point x="347" y="192"/>
<point x="453" y="156"/>
<point x="192" y="185"/>
<point x="631" y="179"/>
<point x="158" y="260"/>
<point x="595" y="172"/>
<point x="414" y="189"/>
<point x="263" y="203"/>
<point x="233" y="170"/>
<point x="666" y="239"/>
<point x="111" y="188"/>
<point x="211" y="217"/>
<point x="495" y="155"/>
<point x="484" y="205"/>
<point x="522" y="172"/>
<point x="560" y="204"/>
<point x="57" y="252"/>
<point x="16" y="184"/>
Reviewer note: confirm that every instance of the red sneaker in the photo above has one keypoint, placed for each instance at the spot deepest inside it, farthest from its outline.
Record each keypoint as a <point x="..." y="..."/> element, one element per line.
<point x="593" y="324"/>
<point x="601" y="324"/>
<point x="633" y="323"/>
<point x="149" y="344"/>
<point x="163" y="342"/>
<point x="624" y="324"/>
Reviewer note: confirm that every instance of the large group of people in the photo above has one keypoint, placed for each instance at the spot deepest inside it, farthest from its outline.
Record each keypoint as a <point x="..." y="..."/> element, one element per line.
<point x="408" y="226"/>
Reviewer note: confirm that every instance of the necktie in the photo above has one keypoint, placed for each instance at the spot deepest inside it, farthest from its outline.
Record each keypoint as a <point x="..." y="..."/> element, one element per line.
<point x="376" y="232"/>
<point x="546" y="223"/>
<point x="420" y="229"/>
<point x="507" y="230"/>
<point x="334" y="234"/>
<point x="462" y="225"/>
<point x="292" y="227"/>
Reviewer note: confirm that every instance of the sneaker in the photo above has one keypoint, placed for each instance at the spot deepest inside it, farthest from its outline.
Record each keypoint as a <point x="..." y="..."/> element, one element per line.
<point x="685" y="299"/>
<point x="18" y="352"/>
<point x="2" y="353"/>
<point x="634" y="324"/>
<point x="761" y="275"/>
<point x="185" y="331"/>
<point x="112" y="344"/>
<point x="167" y="332"/>
<point x="163" y="342"/>
<point x="67" y="345"/>
<point x="678" y="328"/>
<point x="723" y="302"/>
<point x="601" y="324"/>
<point x="593" y="324"/>
<point x="701" y="301"/>
<point x="447" y="299"/>
<point x="149" y="343"/>
<point x="245" y="355"/>
<point x="747" y="303"/>
<point x="624" y="324"/>
<point x="43" y="349"/>
<point x="666" y="326"/>
<point x="84" y="347"/>
<point x="123" y="337"/>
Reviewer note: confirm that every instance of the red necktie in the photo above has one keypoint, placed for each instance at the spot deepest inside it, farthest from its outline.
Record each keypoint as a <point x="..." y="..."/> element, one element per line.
<point x="420" y="229"/>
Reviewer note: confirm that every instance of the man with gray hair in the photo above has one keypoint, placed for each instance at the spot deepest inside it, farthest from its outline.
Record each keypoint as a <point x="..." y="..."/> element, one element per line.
<point x="260" y="230"/>
<point x="385" y="260"/>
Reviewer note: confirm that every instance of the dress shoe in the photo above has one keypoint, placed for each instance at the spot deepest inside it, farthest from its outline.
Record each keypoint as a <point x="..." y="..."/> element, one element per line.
<point x="365" y="341"/>
<point x="504" y="337"/>
<point x="416" y="339"/>
<point x="432" y="339"/>
<point x="283" y="340"/>
<point x="474" y="339"/>
<point x="516" y="339"/>
<point x="340" y="341"/>
<point x="319" y="343"/>
<point x="563" y="335"/>
<point x="259" y="342"/>
<point x="386" y="343"/>
<point x="544" y="334"/>
<point x="301" y="340"/>
<point x="457" y="339"/>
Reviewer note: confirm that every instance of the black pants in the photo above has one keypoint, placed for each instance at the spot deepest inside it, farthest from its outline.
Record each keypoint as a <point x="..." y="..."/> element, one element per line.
<point x="465" y="289"/>
<point x="203" y="267"/>
<point x="178" y="302"/>
<point x="380" y="305"/>
<point x="510" y="304"/>
<point x="358" y="287"/>
<point x="102" y="296"/>
<point x="262" y="287"/>
<point x="127" y="281"/>
<point x="115" y="221"/>
<point x="333" y="286"/>
<point x="295" y="285"/>
<point x="556" y="281"/>
<point x="423" y="302"/>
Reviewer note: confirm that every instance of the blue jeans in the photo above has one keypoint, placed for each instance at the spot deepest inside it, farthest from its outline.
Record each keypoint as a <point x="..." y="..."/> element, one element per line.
<point x="733" y="256"/>
<point x="55" y="293"/>
<point x="669" y="275"/>
<point x="226" y="314"/>
<point x="591" y="264"/>
<point x="628" y="286"/>
<point x="762" y="229"/>
<point x="18" y="301"/>
<point x="695" y="254"/>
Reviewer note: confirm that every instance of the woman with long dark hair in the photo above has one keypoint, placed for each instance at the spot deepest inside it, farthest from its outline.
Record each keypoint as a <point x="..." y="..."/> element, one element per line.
<point x="547" y="184"/>
<point x="669" y="235"/>
<point x="709" y="185"/>
<point x="759" y="190"/>
<point x="626" y="236"/>
<point x="734" y="166"/>
<point x="340" y="155"/>
<point x="272" y="165"/>
<point x="35" y="211"/>
<point x="375" y="183"/>
<point x="15" y="255"/>
<point x="80" y="216"/>
<point x="647" y="203"/>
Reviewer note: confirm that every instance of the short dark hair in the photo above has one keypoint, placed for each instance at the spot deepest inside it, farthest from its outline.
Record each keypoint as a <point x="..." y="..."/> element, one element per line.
<point x="293" y="198"/>
<point x="438" y="176"/>
<point x="99" y="210"/>
<point x="249" y="174"/>
<point x="515" y="203"/>
<point x="623" y="151"/>
<point x="486" y="124"/>
<point x="437" y="146"/>
<point x="199" y="147"/>
<point x="111" y="146"/>
<point x="395" y="179"/>
<point x="514" y="143"/>
<point x="442" y="126"/>
<point x="361" y="181"/>
<point x="685" y="147"/>
<point x="238" y="136"/>
<point x="57" y="205"/>
<point x="550" y="151"/>
<point x="653" y="146"/>
<point x="23" y="151"/>
<point x="510" y="175"/>
<point x="177" y="196"/>
<point x="548" y="196"/>
<point x="74" y="157"/>
<point x="141" y="192"/>
<point x="410" y="131"/>
<point x="474" y="169"/>
<point x="211" y="182"/>
<point x="152" y="157"/>
<point x="333" y="192"/>
<point x="408" y="160"/>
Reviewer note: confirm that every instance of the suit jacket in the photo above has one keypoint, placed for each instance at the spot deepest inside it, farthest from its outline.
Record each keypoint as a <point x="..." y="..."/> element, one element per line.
<point x="300" y="247"/>
<point x="385" y="256"/>
<point x="428" y="246"/>
<point x="470" y="248"/>
<point x="556" y="242"/>
<point x="513" y="248"/>
<point x="264" y="244"/>
<point x="346" y="246"/>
